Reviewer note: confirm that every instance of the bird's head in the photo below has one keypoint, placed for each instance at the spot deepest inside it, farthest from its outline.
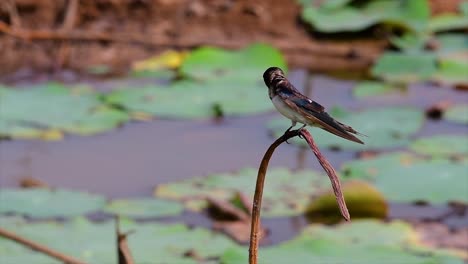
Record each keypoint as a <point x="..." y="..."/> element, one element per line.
<point x="273" y="75"/>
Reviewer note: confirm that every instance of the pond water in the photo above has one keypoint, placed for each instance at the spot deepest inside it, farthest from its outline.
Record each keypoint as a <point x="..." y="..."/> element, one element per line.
<point x="132" y="160"/>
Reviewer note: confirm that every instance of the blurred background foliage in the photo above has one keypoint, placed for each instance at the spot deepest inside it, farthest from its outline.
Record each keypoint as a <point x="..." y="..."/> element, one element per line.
<point x="156" y="112"/>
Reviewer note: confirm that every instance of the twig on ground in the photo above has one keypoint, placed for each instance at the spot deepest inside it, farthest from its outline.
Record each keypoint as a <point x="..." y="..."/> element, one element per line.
<point x="38" y="247"/>
<point x="257" y="202"/>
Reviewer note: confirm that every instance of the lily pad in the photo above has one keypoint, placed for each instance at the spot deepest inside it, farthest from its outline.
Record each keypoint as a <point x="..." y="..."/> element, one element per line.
<point x="217" y="82"/>
<point x="285" y="193"/>
<point x="410" y="15"/>
<point x="248" y="64"/>
<point x="373" y="88"/>
<point x="378" y="124"/>
<point x="403" y="178"/>
<point x="445" y="22"/>
<point x="29" y="113"/>
<point x="437" y="182"/>
<point x="369" y="169"/>
<point x="442" y="145"/>
<point x="46" y="203"/>
<point x="404" y="68"/>
<point x="360" y="242"/>
<point x="457" y="113"/>
<point x="452" y="72"/>
<point x="95" y="242"/>
<point x="144" y="207"/>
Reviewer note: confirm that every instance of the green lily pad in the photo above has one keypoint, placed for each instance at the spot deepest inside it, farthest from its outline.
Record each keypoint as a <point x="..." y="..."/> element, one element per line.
<point x="437" y="182"/>
<point x="399" y="67"/>
<point x="248" y="64"/>
<point x="285" y="193"/>
<point x="445" y="22"/>
<point x="403" y="178"/>
<point x="358" y="242"/>
<point x="378" y="124"/>
<point x="46" y="203"/>
<point x="340" y="17"/>
<point x="368" y="169"/>
<point x="95" y="242"/>
<point x="452" y="72"/>
<point x="442" y="145"/>
<point x="410" y="42"/>
<point x="451" y="42"/>
<point x="144" y="207"/>
<point x="457" y="113"/>
<point x="217" y="82"/>
<point x="373" y="88"/>
<point x="27" y="113"/>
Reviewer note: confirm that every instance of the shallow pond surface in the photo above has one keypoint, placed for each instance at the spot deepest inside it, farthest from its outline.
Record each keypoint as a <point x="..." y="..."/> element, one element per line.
<point x="131" y="160"/>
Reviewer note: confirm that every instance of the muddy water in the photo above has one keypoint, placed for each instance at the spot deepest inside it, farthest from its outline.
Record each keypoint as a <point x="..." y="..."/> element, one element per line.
<point x="131" y="160"/>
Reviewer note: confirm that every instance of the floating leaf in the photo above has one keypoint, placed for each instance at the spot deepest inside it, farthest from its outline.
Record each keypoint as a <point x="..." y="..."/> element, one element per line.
<point x="452" y="72"/>
<point x="35" y="112"/>
<point x="445" y="22"/>
<point x="373" y="88"/>
<point x="144" y="207"/>
<point x="362" y="199"/>
<point x="457" y="113"/>
<point x="95" y="243"/>
<point x="403" y="178"/>
<point x="442" y="145"/>
<point x="399" y="67"/>
<point x="45" y="203"/>
<point x="412" y="15"/>
<point x="436" y="182"/>
<point x="217" y="81"/>
<point x="363" y="242"/>
<point x="378" y="124"/>
<point x="161" y="65"/>
<point x="412" y="42"/>
<point x="452" y="48"/>
<point x="248" y="64"/>
<point x="369" y="168"/>
<point x="170" y="59"/>
<point x="186" y="99"/>
<point x="285" y="194"/>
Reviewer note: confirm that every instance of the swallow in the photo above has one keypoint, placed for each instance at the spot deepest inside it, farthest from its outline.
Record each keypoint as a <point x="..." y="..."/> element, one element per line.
<point x="301" y="109"/>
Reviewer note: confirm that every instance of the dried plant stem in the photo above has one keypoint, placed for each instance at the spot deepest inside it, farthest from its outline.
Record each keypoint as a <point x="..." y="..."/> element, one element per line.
<point x="38" y="247"/>
<point x="257" y="202"/>
<point x="335" y="181"/>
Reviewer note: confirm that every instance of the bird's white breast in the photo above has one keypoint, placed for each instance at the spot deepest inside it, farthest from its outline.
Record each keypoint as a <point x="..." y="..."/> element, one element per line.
<point x="286" y="111"/>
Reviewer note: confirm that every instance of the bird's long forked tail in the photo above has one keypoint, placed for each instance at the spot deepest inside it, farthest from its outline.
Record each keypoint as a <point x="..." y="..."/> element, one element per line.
<point x="337" y="128"/>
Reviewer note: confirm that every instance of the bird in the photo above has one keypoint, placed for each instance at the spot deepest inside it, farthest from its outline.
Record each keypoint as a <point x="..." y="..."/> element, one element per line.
<point x="301" y="109"/>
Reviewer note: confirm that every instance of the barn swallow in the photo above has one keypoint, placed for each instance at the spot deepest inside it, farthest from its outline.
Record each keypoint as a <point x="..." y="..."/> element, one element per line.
<point x="300" y="109"/>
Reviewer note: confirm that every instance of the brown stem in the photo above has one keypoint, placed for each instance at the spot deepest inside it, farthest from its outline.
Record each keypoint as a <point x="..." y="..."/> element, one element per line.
<point x="257" y="201"/>
<point x="40" y="248"/>
<point x="335" y="181"/>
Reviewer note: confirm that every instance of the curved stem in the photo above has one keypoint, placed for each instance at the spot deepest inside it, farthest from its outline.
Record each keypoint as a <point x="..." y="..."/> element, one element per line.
<point x="257" y="201"/>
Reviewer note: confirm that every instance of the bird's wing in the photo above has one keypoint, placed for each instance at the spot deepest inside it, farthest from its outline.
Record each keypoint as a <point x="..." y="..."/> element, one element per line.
<point x="315" y="113"/>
